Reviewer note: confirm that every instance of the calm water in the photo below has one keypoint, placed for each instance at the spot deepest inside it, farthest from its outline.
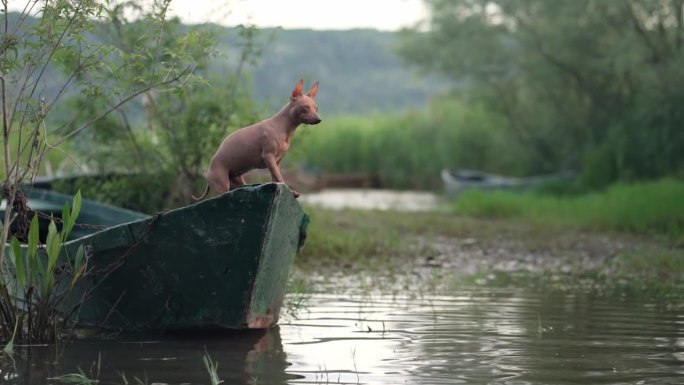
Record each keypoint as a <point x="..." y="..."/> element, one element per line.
<point x="372" y="199"/>
<point x="472" y="337"/>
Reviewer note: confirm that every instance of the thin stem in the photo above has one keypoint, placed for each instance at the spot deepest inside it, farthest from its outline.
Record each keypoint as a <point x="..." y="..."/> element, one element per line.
<point x="5" y="127"/>
<point x="119" y="104"/>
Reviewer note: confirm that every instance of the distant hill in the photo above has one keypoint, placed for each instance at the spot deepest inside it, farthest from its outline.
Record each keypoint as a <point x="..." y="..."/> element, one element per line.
<point x="358" y="70"/>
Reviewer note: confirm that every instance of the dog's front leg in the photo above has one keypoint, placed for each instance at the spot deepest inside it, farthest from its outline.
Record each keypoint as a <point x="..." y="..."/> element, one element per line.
<point x="274" y="169"/>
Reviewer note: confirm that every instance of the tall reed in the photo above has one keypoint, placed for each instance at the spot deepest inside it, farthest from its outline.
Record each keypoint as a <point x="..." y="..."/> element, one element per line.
<point x="408" y="150"/>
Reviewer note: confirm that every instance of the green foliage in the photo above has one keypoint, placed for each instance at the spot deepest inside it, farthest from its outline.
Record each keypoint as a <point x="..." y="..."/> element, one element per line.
<point x="139" y="192"/>
<point x="103" y="76"/>
<point x="30" y="292"/>
<point x="190" y="126"/>
<point x="654" y="208"/>
<point x="409" y="150"/>
<point x="587" y="85"/>
<point x="160" y="163"/>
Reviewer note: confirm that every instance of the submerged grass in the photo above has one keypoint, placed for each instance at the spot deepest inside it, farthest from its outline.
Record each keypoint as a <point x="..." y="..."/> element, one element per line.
<point x="655" y="276"/>
<point x="82" y="378"/>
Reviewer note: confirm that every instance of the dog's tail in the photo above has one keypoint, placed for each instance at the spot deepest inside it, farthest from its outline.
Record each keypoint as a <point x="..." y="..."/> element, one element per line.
<point x="206" y="191"/>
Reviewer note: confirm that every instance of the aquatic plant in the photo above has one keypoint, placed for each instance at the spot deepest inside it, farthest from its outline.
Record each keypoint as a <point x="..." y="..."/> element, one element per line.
<point x="298" y="294"/>
<point x="356" y="370"/>
<point x="57" y="36"/>
<point x="212" y="368"/>
<point x="81" y="378"/>
<point x="138" y="380"/>
<point x="103" y="75"/>
<point x="30" y="288"/>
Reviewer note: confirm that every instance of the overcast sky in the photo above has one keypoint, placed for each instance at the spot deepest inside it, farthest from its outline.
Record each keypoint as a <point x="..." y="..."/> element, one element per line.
<point x="316" y="14"/>
<point x="386" y="15"/>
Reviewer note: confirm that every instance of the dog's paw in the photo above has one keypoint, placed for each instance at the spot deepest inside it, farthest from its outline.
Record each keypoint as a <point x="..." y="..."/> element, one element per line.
<point x="295" y="194"/>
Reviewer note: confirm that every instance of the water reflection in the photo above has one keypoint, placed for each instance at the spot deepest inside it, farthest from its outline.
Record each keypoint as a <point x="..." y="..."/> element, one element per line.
<point x="474" y="337"/>
<point x="485" y="337"/>
<point x="243" y="358"/>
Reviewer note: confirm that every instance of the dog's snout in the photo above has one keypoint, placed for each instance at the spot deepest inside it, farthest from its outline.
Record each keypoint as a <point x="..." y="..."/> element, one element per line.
<point x="314" y="119"/>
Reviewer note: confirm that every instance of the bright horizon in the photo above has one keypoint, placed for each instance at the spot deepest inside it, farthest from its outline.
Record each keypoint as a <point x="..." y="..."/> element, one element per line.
<point x="386" y="15"/>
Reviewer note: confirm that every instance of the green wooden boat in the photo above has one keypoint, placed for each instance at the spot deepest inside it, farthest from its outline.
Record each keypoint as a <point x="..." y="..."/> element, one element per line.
<point x="220" y="263"/>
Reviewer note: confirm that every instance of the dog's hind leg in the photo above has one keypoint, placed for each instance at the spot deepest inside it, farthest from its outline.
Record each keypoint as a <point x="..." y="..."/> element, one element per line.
<point x="219" y="182"/>
<point x="236" y="182"/>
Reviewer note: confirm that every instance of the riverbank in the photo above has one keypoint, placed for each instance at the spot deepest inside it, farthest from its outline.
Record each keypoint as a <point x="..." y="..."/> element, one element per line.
<point x="439" y="251"/>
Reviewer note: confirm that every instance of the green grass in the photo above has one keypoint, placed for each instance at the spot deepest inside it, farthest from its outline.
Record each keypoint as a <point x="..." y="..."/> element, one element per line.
<point x="339" y="239"/>
<point x="647" y="208"/>
<point x="358" y="240"/>
<point x="349" y="236"/>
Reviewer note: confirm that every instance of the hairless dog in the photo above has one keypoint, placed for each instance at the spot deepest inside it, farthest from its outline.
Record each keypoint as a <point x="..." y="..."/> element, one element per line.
<point x="261" y="145"/>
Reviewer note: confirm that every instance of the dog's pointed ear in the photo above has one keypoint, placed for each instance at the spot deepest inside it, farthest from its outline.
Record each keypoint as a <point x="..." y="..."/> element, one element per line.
<point x="298" y="89"/>
<point x="313" y="91"/>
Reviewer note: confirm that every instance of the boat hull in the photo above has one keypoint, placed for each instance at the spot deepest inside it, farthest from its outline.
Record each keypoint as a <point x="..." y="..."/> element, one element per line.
<point x="221" y="263"/>
<point x="457" y="181"/>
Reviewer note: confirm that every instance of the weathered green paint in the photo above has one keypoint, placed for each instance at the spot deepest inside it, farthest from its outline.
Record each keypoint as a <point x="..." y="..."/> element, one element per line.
<point x="220" y="263"/>
<point x="271" y="279"/>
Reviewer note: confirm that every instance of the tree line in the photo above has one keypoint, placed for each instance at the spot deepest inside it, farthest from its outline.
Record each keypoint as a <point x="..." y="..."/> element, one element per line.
<point x="588" y="85"/>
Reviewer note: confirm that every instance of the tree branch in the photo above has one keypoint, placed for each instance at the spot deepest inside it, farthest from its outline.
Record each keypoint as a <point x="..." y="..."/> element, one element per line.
<point x="641" y="31"/>
<point x="54" y="49"/>
<point x="678" y="9"/>
<point x="119" y="104"/>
